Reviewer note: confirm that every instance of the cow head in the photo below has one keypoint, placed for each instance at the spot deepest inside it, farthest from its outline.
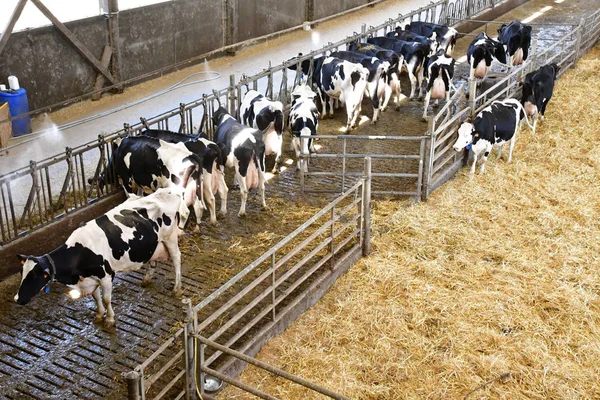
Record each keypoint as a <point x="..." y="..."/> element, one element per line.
<point x="218" y="116"/>
<point x="35" y="275"/>
<point x="556" y="68"/>
<point x="500" y="52"/>
<point x="466" y="134"/>
<point x="303" y="91"/>
<point x="273" y="114"/>
<point x="304" y="65"/>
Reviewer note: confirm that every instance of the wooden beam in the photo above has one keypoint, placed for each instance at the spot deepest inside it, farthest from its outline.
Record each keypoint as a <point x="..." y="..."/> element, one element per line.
<point x="11" y="24"/>
<point x="105" y="60"/>
<point x="73" y="39"/>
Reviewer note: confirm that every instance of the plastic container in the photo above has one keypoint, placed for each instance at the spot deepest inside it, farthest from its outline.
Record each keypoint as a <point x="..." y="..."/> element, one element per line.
<point x="17" y="104"/>
<point x="13" y="82"/>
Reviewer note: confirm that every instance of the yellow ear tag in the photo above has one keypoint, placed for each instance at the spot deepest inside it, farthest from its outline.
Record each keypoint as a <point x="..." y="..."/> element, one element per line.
<point x="477" y="135"/>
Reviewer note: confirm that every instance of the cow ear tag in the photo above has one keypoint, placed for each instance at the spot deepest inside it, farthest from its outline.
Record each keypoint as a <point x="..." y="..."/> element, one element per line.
<point x="468" y="147"/>
<point x="477" y="135"/>
<point x="47" y="289"/>
<point x="45" y="276"/>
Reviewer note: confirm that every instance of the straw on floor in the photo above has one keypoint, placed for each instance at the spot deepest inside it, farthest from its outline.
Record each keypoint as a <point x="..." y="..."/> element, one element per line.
<point x="491" y="289"/>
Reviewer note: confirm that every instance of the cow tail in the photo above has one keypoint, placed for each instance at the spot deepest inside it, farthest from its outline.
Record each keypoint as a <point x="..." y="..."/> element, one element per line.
<point x="522" y="111"/>
<point x="197" y="166"/>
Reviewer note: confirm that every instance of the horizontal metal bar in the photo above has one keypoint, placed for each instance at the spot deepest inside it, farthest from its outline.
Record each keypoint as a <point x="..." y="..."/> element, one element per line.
<point x="159" y="350"/>
<point x="452" y="120"/>
<point x="367" y="137"/>
<point x="276" y="248"/>
<point x="394" y="193"/>
<point x="170" y="385"/>
<point x="344" y="242"/>
<point x="361" y="156"/>
<point x="238" y="384"/>
<point x="271" y="369"/>
<point x="173" y="360"/>
<point x="360" y="174"/>
<point x="348" y="224"/>
<point x="436" y="168"/>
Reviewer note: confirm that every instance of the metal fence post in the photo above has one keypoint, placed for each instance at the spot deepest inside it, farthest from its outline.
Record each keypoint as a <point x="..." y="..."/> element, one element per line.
<point x="578" y="42"/>
<point x="428" y="159"/>
<point x="190" y="355"/>
<point x="363" y="33"/>
<point x="472" y="95"/>
<point x="367" y="207"/>
<point x="533" y="63"/>
<point x="446" y="14"/>
<point x="231" y="90"/>
<point x="133" y="385"/>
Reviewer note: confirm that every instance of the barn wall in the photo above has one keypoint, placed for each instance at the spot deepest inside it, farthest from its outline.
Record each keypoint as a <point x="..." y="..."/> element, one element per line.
<point x="326" y="8"/>
<point x="153" y="39"/>
<point x="259" y="18"/>
<point x="48" y="66"/>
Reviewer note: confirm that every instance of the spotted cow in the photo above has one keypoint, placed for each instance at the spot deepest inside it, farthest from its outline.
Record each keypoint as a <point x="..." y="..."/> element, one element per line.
<point x="141" y="230"/>
<point x="481" y="52"/>
<point x="303" y="121"/>
<point x="516" y="38"/>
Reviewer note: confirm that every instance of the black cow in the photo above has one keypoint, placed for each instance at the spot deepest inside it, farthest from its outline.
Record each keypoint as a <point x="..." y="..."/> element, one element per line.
<point x="494" y="125"/>
<point x="537" y="90"/>
<point x="138" y="231"/>
<point x="303" y="121"/>
<point x="443" y="35"/>
<point x="516" y="39"/>
<point x="396" y="61"/>
<point x="414" y="54"/>
<point x="409" y="36"/>
<point x="481" y="52"/>
<point x="378" y="87"/>
<point x="244" y="150"/>
<point x="213" y="164"/>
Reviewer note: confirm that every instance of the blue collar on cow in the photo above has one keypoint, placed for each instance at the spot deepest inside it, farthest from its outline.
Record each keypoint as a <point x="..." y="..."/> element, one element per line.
<point x="52" y="273"/>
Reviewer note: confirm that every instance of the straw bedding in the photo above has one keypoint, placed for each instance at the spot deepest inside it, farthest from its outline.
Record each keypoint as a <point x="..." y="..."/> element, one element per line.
<point x="491" y="289"/>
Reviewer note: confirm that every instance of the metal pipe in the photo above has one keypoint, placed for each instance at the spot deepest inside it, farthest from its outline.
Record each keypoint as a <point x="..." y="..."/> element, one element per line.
<point x="367" y="206"/>
<point x="133" y="385"/>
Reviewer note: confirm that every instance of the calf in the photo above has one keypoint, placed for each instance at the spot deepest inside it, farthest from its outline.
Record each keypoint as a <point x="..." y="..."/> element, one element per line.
<point x="396" y="61"/>
<point x="378" y="87"/>
<point x="444" y="36"/>
<point x="303" y="121"/>
<point x="140" y="230"/>
<point x="213" y="164"/>
<point x="261" y="113"/>
<point x="494" y="125"/>
<point x="440" y="71"/>
<point x="516" y="39"/>
<point x="414" y="55"/>
<point x="244" y="150"/>
<point x="481" y="52"/>
<point x="537" y="90"/>
<point x="146" y="164"/>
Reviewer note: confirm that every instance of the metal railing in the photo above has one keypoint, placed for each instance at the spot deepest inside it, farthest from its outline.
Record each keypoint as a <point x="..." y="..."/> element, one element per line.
<point x="339" y="163"/>
<point x="243" y="312"/>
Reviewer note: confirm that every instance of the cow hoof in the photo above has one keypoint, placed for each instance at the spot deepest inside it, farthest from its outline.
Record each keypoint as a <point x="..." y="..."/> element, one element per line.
<point x="99" y="319"/>
<point x="397" y="108"/>
<point x="196" y="229"/>
<point x="241" y="214"/>
<point x="146" y="282"/>
<point x="177" y="293"/>
<point x="213" y="222"/>
<point x="109" y="324"/>
<point x="223" y="212"/>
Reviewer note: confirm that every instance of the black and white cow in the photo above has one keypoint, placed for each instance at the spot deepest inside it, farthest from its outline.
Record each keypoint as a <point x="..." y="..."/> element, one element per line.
<point x="338" y="80"/>
<point x="259" y="112"/>
<point x="140" y="230"/>
<point x="494" y="125"/>
<point x="378" y="87"/>
<point x="414" y="54"/>
<point x="481" y="52"/>
<point x="213" y="166"/>
<point x="538" y="87"/>
<point x="516" y="38"/>
<point x="396" y="61"/>
<point x="443" y="35"/>
<point x="244" y="150"/>
<point x="303" y="121"/>
<point x="409" y="36"/>
<point x="440" y="71"/>
<point x="147" y="164"/>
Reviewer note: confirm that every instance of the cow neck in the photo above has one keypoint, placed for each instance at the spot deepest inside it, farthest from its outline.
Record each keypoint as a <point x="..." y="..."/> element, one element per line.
<point x="52" y="268"/>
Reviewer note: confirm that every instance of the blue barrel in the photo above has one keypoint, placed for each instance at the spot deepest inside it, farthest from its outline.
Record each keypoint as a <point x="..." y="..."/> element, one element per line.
<point x="17" y="105"/>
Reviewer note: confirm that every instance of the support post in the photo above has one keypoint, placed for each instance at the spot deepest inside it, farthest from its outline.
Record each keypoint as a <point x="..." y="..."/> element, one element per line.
<point x="428" y="159"/>
<point x="472" y="95"/>
<point x="310" y="10"/>
<point x="533" y="62"/>
<point x="230" y="23"/>
<point x="100" y="79"/>
<point x="231" y="91"/>
<point x="11" y="24"/>
<point x="367" y="208"/>
<point x="188" y="343"/>
<point x="133" y="384"/>
<point x="114" y="37"/>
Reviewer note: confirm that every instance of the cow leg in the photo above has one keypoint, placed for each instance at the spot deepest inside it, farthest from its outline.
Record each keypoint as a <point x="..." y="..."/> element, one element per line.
<point x="420" y="82"/>
<point x="500" y="147"/>
<point x="278" y="157"/>
<point x="222" y="190"/>
<point x="484" y="160"/>
<point x="261" y="187"/>
<point x="427" y="99"/>
<point x="99" y="306"/>
<point x="413" y="84"/>
<point x="512" y="144"/>
<point x="106" y="284"/>
<point x="243" y="192"/>
<point x="208" y="195"/>
<point x="387" y="95"/>
<point x="474" y="163"/>
<point x="148" y="277"/>
<point x="332" y="102"/>
<point x="172" y="246"/>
